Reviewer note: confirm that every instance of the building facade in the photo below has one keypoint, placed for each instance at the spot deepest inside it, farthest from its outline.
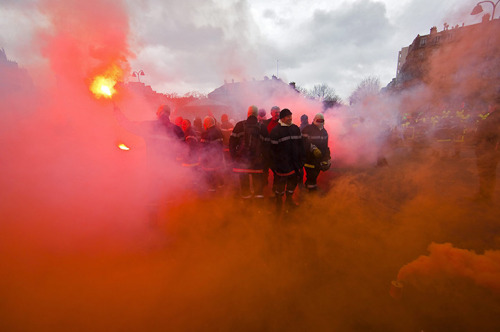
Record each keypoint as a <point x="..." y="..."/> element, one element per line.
<point x="461" y="62"/>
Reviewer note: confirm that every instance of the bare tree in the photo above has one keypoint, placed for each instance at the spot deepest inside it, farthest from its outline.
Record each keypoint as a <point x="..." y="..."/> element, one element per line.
<point x="195" y="94"/>
<point x="325" y="94"/>
<point x="368" y="87"/>
<point x="322" y="92"/>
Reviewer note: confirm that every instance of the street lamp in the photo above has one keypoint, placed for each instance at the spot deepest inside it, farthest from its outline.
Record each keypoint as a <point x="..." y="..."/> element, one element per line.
<point x="478" y="9"/>
<point x="140" y="73"/>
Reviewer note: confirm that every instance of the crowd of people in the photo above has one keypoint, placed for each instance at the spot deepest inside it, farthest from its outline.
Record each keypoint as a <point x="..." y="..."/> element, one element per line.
<point x="257" y="149"/>
<point x="254" y="150"/>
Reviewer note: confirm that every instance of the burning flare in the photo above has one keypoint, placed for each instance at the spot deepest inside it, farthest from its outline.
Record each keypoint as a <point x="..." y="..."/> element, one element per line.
<point x="104" y="85"/>
<point x="106" y="90"/>
<point x="122" y="146"/>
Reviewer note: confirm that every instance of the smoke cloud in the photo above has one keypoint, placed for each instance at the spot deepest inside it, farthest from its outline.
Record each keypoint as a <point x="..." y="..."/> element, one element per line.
<point x="77" y="251"/>
<point x="445" y="260"/>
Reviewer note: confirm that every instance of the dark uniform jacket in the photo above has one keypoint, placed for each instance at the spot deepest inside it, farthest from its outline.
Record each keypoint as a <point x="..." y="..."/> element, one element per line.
<point x="191" y="156"/>
<point x="268" y="125"/>
<point x="287" y="150"/>
<point x="211" y="149"/>
<point x="246" y="145"/>
<point x="226" y="129"/>
<point x="315" y="137"/>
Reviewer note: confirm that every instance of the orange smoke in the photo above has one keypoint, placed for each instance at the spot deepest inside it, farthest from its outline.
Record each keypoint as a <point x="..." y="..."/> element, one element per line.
<point x="446" y="261"/>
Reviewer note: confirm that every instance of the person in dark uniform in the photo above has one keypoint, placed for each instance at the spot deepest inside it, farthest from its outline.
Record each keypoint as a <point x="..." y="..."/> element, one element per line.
<point x="226" y="129"/>
<point x="245" y="147"/>
<point x="269" y="124"/>
<point x="198" y="126"/>
<point x="191" y="156"/>
<point x="287" y="156"/>
<point x="317" y="151"/>
<point x="211" y="159"/>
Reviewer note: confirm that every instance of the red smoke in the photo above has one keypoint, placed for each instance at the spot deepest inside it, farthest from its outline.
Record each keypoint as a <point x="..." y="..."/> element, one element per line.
<point x="85" y="38"/>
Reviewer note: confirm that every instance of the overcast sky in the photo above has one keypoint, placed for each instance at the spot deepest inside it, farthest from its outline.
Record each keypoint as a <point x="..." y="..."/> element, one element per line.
<point x="194" y="45"/>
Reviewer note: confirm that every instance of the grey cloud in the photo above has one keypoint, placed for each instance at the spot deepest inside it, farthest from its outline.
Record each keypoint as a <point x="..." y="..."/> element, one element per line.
<point x="418" y="16"/>
<point x="184" y="36"/>
<point x="174" y="26"/>
<point x="201" y="42"/>
<point x="209" y="22"/>
<point x="277" y="20"/>
<point x="354" y="34"/>
<point x="362" y="24"/>
<point x="17" y="3"/>
<point x="345" y="45"/>
<point x="269" y="14"/>
<point x="340" y="47"/>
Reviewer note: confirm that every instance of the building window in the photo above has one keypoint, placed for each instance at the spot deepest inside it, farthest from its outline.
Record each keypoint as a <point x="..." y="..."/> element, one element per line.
<point x="423" y="41"/>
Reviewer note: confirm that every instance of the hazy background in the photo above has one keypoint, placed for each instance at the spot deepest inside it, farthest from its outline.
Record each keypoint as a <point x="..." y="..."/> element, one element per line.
<point x="196" y="45"/>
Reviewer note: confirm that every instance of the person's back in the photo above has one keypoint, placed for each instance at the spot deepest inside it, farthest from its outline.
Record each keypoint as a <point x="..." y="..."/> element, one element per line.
<point x="211" y="144"/>
<point x="253" y="141"/>
<point x="192" y="142"/>
<point x="245" y="147"/>
<point x="198" y="126"/>
<point x="246" y="143"/>
<point x="211" y="154"/>
<point x="226" y="129"/>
